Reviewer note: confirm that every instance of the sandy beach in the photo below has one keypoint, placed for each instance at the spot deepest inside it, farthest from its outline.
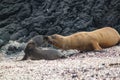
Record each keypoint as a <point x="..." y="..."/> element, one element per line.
<point x="83" y="66"/>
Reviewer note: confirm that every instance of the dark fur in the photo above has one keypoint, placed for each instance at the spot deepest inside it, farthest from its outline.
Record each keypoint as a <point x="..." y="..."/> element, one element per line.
<point x="38" y="40"/>
<point x="35" y="53"/>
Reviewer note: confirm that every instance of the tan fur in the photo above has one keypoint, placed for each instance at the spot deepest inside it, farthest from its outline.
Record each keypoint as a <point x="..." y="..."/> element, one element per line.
<point x="94" y="40"/>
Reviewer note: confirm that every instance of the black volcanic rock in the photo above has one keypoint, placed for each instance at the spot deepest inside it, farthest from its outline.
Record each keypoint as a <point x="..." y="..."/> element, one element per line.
<point x="22" y="19"/>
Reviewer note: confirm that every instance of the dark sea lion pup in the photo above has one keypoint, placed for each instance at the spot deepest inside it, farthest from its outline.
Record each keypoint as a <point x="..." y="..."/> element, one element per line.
<point x="86" y="41"/>
<point x="35" y="53"/>
<point x="38" y="39"/>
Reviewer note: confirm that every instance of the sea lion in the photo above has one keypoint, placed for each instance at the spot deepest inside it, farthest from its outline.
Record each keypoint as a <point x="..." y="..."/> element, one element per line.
<point x="34" y="53"/>
<point x="38" y="40"/>
<point x="86" y="41"/>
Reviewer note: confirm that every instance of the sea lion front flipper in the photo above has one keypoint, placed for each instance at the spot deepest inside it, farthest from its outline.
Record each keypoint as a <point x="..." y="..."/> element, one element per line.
<point x="96" y="46"/>
<point x="25" y="57"/>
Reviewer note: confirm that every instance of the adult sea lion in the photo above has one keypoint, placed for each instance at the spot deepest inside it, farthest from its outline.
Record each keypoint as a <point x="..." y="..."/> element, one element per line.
<point x="85" y="41"/>
<point x="35" y="53"/>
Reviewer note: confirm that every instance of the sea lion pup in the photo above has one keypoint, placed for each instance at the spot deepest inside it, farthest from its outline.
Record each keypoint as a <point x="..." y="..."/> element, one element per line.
<point x="86" y="41"/>
<point x="34" y="53"/>
<point x="38" y="40"/>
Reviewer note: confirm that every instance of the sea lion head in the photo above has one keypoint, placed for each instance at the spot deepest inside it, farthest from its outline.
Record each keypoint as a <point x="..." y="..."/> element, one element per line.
<point x="30" y="46"/>
<point x="54" y="39"/>
<point x="31" y="51"/>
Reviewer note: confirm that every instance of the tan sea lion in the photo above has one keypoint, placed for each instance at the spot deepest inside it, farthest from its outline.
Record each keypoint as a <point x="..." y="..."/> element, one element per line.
<point x="86" y="41"/>
<point x="35" y="53"/>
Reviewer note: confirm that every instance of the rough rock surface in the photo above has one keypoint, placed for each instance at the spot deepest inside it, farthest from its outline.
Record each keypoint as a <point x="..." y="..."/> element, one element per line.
<point x="13" y="47"/>
<point x="23" y="19"/>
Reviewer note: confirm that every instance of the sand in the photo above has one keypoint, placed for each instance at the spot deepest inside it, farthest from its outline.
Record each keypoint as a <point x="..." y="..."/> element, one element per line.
<point x="82" y="66"/>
